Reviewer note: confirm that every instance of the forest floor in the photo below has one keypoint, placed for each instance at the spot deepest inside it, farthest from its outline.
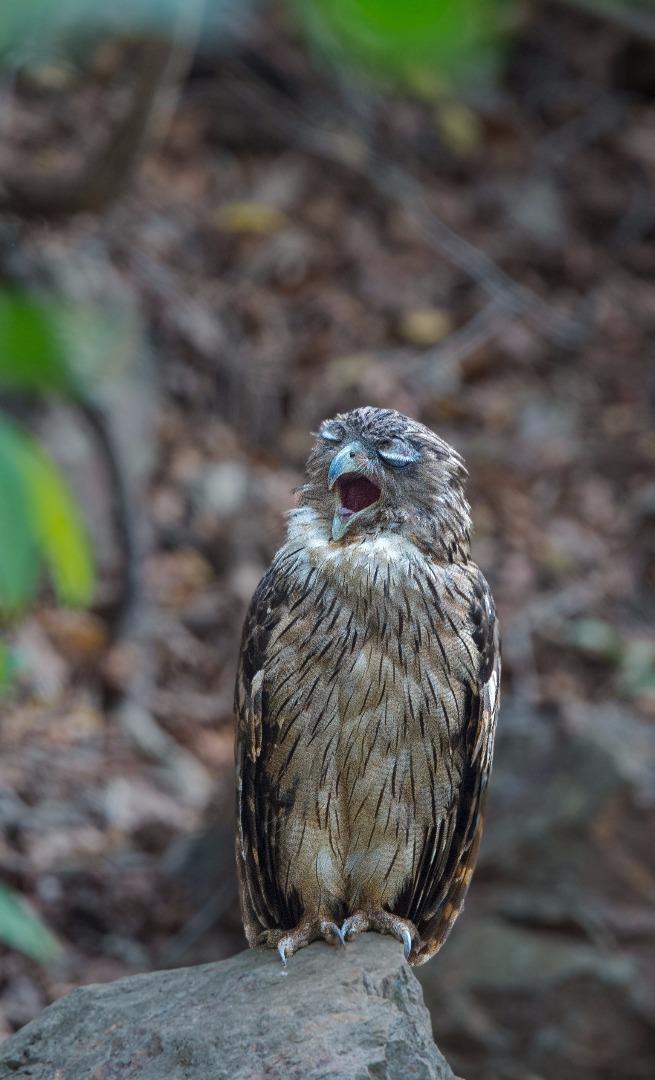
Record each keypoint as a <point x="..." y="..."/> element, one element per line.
<point x="281" y="256"/>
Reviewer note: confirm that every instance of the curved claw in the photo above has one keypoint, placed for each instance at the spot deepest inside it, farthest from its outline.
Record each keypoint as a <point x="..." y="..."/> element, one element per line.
<point x="283" y="953"/>
<point x="341" y="934"/>
<point x="407" y="942"/>
<point x="353" y="926"/>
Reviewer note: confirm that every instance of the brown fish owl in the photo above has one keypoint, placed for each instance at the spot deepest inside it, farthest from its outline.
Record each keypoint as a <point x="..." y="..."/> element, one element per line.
<point x="366" y="698"/>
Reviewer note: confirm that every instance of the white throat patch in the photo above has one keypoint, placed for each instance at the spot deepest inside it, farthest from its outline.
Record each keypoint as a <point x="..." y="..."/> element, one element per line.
<point x="366" y="565"/>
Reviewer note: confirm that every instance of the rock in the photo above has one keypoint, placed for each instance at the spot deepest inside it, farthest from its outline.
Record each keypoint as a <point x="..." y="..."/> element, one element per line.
<point x="350" y="1013"/>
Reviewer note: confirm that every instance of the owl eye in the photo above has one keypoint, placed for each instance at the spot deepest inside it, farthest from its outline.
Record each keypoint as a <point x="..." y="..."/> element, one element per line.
<point x="331" y="434"/>
<point x="398" y="452"/>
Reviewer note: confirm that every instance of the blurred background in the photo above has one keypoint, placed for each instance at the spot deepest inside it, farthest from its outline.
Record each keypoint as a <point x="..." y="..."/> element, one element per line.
<point x="220" y="223"/>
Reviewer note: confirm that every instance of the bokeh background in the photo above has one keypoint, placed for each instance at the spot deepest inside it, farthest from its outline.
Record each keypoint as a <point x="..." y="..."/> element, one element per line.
<point x="219" y="224"/>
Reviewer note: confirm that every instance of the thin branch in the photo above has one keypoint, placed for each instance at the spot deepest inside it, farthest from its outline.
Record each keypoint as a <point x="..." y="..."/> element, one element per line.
<point x="122" y="513"/>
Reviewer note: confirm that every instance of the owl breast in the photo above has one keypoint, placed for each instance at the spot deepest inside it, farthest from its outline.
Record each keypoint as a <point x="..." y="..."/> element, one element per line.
<point x="364" y="684"/>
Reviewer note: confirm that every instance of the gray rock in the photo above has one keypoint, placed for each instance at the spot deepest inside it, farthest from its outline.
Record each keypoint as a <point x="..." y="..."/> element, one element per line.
<point x="349" y="1013"/>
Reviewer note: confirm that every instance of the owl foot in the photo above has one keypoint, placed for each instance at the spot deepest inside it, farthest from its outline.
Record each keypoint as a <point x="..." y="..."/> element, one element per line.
<point x="289" y="942"/>
<point x="382" y="922"/>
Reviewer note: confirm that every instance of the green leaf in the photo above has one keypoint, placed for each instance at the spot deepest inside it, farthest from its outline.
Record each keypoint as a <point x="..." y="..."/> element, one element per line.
<point x="21" y="929"/>
<point x="33" y="354"/>
<point x="49" y="345"/>
<point x="397" y="37"/>
<point x="39" y="523"/>
<point x="5" y="669"/>
<point x="62" y="537"/>
<point x="19" y="556"/>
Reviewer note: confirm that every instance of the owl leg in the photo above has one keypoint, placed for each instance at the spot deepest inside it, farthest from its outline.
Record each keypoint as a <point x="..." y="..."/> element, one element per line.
<point x="382" y="922"/>
<point x="288" y="942"/>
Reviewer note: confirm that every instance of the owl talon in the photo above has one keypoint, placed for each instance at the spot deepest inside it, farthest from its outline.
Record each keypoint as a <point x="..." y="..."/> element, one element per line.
<point x="354" y="926"/>
<point x="330" y="932"/>
<point x="383" y="922"/>
<point x="289" y="942"/>
<point x="407" y="942"/>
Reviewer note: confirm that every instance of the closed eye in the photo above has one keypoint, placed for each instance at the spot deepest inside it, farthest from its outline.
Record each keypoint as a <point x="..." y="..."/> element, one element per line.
<point x="398" y="453"/>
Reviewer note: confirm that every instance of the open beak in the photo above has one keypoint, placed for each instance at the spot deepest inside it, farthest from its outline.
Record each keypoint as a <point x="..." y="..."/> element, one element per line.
<point x="351" y="477"/>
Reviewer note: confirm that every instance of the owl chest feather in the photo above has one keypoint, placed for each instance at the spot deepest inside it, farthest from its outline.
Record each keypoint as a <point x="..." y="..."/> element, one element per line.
<point x="365" y="680"/>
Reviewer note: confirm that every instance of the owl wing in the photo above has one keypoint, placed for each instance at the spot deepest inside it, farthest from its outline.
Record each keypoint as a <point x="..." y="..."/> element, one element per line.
<point x="450" y="855"/>
<point x="264" y="906"/>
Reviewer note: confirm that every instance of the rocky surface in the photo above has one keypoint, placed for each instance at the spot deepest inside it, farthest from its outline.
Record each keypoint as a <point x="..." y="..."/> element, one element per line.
<point x="349" y="1013"/>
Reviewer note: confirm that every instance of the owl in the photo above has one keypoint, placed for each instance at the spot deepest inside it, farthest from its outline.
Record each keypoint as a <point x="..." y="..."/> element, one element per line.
<point x="366" y="698"/>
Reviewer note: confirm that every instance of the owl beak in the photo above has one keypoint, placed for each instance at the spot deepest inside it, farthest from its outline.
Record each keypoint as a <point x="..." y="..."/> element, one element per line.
<point x="351" y="473"/>
<point x="352" y="458"/>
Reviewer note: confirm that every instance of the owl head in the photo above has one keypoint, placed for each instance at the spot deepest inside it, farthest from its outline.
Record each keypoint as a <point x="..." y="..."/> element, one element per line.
<point x="375" y="470"/>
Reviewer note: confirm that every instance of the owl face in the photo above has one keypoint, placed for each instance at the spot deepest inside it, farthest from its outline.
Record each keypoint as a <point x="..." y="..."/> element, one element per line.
<point x="375" y="469"/>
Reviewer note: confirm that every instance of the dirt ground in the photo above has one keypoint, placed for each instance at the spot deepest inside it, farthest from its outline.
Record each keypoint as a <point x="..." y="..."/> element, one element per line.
<point x="282" y="255"/>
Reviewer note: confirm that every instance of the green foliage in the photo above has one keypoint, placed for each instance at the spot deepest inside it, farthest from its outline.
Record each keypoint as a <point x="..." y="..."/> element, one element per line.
<point x="405" y="39"/>
<point x="382" y="35"/>
<point x="409" y="40"/>
<point x="58" y="528"/>
<point x="5" y="668"/>
<point x="33" y="354"/>
<point x="40" y="526"/>
<point x="21" y="929"/>
<point x="55" y="347"/>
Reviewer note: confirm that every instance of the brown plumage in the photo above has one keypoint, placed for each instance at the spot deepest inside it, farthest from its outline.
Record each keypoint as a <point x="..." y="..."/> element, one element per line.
<point x="366" y="698"/>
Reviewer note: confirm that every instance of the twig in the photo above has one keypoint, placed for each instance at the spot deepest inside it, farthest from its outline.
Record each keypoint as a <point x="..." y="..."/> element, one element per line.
<point x="122" y="515"/>
<point x="134" y="621"/>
